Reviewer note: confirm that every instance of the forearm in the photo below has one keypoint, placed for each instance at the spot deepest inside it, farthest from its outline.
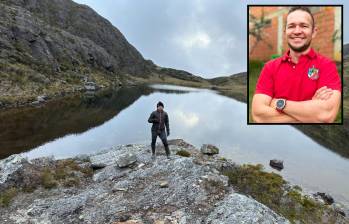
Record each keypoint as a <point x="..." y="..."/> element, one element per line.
<point x="267" y="114"/>
<point x="152" y="119"/>
<point x="311" y="111"/>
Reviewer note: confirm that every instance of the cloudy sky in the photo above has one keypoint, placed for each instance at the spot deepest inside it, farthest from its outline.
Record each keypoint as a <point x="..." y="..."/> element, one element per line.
<point x="204" y="37"/>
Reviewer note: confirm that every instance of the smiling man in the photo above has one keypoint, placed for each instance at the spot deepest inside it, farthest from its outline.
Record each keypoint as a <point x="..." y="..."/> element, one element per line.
<point x="302" y="86"/>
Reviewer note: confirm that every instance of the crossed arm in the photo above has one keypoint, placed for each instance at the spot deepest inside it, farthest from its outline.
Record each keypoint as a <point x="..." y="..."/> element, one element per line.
<point x="152" y="118"/>
<point x="322" y="108"/>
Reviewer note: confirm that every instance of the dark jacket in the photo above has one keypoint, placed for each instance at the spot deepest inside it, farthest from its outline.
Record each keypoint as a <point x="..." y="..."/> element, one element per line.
<point x="159" y="120"/>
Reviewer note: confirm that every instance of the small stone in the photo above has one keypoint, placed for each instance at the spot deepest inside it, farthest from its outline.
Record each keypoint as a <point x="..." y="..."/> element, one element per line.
<point x="119" y="189"/>
<point x="124" y="218"/>
<point x="277" y="164"/>
<point x="41" y="99"/>
<point x="159" y="222"/>
<point x="328" y="199"/>
<point x="163" y="184"/>
<point x="35" y="103"/>
<point x="129" y="222"/>
<point x="90" y="86"/>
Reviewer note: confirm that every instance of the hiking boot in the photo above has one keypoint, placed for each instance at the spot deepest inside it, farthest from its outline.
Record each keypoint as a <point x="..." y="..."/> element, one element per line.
<point x="153" y="156"/>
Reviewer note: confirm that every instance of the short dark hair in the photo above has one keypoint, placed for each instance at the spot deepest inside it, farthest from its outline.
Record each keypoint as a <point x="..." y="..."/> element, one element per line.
<point x="304" y="9"/>
<point x="160" y="104"/>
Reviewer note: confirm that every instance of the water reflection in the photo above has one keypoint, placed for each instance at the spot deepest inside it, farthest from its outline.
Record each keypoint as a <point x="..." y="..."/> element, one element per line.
<point x="27" y="128"/>
<point x="198" y="116"/>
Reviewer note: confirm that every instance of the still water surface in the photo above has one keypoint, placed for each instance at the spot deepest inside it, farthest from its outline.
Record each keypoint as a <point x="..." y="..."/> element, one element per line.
<point x="82" y="125"/>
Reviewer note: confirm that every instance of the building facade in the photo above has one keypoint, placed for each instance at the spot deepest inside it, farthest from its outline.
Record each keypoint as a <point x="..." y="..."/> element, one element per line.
<point x="267" y="30"/>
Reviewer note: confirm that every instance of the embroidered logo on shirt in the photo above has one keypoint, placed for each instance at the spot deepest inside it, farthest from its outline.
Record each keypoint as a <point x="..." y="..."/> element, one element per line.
<point x="313" y="73"/>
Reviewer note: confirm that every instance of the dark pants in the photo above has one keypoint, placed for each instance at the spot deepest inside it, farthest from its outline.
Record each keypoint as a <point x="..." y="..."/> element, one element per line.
<point x="163" y="137"/>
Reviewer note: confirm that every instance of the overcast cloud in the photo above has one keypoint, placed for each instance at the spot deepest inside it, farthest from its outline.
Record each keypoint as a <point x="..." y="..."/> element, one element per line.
<point x="204" y="37"/>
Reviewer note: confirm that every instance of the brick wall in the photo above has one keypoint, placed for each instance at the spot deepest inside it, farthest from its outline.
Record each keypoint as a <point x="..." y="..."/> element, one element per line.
<point x="324" y="19"/>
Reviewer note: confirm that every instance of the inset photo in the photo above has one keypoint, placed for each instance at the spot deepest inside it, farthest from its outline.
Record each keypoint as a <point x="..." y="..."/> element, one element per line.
<point x="295" y="64"/>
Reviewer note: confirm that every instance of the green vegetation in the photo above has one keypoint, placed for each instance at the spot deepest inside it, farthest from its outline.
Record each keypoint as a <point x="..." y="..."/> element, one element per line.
<point x="63" y="173"/>
<point x="47" y="179"/>
<point x="250" y="179"/>
<point x="254" y="68"/>
<point x="223" y="158"/>
<point x="7" y="196"/>
<point x="273" y="191"/>
<point x="183" y="153"/>
<point x="65" y="167"/>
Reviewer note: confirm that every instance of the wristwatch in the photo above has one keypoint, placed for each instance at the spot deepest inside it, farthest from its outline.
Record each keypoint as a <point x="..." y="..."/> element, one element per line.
<point x="280" y="104"/>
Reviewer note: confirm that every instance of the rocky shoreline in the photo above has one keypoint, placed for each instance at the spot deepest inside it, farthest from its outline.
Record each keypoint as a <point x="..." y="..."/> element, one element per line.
<point x="125" y="185"/>
<point x="41" y="99"/>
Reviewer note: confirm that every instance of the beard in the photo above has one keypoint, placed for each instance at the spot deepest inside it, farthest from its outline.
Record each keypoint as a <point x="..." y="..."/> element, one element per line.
<point x="301" y="48"/>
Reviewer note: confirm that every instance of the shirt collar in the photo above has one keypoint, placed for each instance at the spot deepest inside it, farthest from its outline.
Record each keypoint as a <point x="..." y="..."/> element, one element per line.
<point x="311" y="54"/>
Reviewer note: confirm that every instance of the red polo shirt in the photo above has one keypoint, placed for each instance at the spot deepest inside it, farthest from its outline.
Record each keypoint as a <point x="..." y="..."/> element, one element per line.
<point x="281" y="78"/>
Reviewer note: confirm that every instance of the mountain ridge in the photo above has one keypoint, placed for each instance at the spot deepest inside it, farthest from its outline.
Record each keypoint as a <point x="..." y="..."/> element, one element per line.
<point x="52" y="47"/>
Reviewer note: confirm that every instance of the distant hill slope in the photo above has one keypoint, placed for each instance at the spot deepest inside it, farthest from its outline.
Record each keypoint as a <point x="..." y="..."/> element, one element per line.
<point x="234" y="86"/>
<point x="239" y="78"/>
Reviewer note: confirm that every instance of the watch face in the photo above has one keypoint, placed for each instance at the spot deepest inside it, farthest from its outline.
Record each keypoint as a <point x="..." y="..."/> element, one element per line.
<point x="280" y="104"/>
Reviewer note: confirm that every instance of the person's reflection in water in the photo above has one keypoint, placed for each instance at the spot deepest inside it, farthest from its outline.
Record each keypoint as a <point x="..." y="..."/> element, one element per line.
<point x="159" y="119"/>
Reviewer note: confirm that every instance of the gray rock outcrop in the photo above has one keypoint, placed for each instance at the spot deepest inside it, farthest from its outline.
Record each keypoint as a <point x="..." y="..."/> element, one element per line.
<point x="10" y="165"/>
<point x="237" y="208"/>
<point x="62" y="34"/>
<point x="177" y="190"/>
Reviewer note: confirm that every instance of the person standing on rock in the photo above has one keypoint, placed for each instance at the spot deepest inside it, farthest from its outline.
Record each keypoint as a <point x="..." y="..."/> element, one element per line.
<point x="160" y="121"/>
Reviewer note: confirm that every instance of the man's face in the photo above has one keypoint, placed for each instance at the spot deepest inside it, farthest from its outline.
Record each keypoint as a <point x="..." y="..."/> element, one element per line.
<point x="160" y="108"/>
<point x="299" y="30"/>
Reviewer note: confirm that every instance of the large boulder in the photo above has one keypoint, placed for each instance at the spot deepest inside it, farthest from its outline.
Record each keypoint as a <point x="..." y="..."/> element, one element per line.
<point x="238" y="208"/>
<point x="209" y="149"/>
<point x="123" y="155"/>
<point x="10" y="165"/>
<point x="109" y="173"/>
<point x="126" y="159"/>
<point x="104" y="158"/>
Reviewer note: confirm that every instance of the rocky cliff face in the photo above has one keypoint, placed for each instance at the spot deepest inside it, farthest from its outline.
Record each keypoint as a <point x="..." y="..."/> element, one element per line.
<point x="54" y="46"/>
<point x="62" y="35"/>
